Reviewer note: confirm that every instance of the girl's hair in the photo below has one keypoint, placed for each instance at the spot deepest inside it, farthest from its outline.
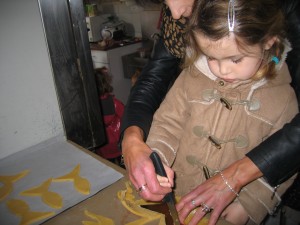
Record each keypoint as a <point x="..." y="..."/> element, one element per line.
<point x="103" y="80"/>
<point x="255" y="22"/>
<point x="145" y="2"/>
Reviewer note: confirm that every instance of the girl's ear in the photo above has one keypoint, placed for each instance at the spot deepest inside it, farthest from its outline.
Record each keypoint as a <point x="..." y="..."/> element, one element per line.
<point x="270" y="42"/>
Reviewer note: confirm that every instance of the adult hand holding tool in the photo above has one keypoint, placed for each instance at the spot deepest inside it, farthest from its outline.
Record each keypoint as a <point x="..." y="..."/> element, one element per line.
<point x="169" y="199"/>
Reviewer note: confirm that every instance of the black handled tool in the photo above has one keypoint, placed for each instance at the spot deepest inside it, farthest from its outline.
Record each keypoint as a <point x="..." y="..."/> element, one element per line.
<point x="169" y="198"/>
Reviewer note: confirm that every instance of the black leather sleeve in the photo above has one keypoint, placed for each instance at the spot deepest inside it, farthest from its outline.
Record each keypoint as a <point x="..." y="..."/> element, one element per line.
<point x="278" y="157"/>
<point x="150" y="89"/>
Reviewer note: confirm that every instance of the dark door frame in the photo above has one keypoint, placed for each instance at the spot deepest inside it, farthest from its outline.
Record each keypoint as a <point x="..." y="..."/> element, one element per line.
<point x="67" y="39"/>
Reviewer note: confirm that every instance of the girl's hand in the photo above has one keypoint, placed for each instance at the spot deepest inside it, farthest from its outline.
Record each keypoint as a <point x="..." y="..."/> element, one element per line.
<point x="163" y="181"/>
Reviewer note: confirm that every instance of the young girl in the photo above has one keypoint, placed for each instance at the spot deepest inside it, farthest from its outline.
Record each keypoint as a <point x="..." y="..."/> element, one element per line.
<point x="112" y="110"/>
<point x="233" y="93"/>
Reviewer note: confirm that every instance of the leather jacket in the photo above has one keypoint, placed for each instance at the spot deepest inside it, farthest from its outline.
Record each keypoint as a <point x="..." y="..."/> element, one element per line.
<point x="150" y="88"/>
<point x="278" y="157"/>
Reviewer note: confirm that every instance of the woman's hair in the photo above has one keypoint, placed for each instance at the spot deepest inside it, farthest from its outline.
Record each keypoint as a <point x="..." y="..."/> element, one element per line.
<point x="255" y="22"/>
<point x="103" y="80"/>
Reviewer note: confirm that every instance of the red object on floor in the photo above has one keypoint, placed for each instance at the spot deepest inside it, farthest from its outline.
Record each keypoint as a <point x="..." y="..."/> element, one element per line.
<point x="112" y="110"/>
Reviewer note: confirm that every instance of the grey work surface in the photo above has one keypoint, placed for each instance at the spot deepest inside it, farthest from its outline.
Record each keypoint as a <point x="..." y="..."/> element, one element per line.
<point x="52" y="159"/>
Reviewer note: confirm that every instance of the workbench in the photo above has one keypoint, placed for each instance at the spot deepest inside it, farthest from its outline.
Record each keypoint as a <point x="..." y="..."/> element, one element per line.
<point x="102" y="200"/>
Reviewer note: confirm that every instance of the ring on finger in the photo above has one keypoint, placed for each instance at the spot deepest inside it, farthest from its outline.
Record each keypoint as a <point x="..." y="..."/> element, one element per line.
<point x="205" y="208"/>
<point x="193" y="202"/>
<point x="142" y="188"/>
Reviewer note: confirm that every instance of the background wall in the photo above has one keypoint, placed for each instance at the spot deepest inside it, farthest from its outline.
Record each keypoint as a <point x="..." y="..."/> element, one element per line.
<point x="29" y="111"/>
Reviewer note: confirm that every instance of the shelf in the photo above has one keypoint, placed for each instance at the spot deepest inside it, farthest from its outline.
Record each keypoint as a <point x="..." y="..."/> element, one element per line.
<point x="132" y="62"/>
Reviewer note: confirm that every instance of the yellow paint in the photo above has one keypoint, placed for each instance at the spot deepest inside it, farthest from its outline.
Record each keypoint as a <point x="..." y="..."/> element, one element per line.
<point x="100" y="220"/>
<point x="8" y="181"/>
<point x="81" y="184"/>
<point x="52" y="199"/>
<point x="134" y="206"/>
<point x="22" y="210"/>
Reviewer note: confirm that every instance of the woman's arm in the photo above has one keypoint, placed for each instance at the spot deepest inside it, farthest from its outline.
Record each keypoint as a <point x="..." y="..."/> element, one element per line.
<point x="145" y="97"/>
<point x="278" y="158"/>
<point x="150" y="89"/>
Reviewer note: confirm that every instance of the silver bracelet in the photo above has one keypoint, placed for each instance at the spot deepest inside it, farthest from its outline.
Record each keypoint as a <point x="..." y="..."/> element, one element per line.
<point x="228" y="185"/>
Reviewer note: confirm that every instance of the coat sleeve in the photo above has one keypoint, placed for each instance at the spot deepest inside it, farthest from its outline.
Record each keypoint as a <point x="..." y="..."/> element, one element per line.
<point x="168" y="122"/>
<point x="259" y="203"/>
<point x="150" y="89"/>
<point x="278" y="157"/>
<point x="259" y="199"/>
<point x="282" y="149"/>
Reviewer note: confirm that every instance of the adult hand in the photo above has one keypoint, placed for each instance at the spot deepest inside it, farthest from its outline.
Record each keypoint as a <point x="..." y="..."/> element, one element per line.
<point x="215" y="193"/>
<point x="140" y="168"/>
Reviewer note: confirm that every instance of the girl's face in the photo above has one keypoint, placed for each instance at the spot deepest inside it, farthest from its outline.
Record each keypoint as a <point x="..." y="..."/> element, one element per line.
<point x="226" y="61"/>
<point x="180" y="7"/>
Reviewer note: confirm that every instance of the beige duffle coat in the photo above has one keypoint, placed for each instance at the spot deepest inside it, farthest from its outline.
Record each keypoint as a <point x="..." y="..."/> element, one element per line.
<point x="205" y="121"/>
